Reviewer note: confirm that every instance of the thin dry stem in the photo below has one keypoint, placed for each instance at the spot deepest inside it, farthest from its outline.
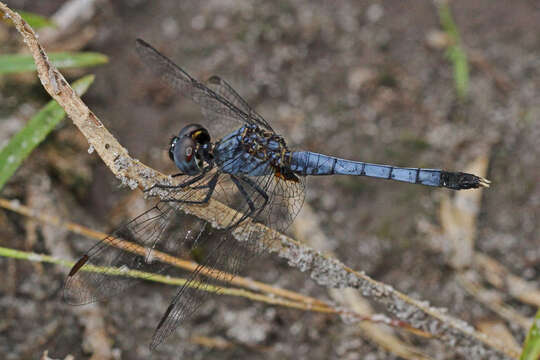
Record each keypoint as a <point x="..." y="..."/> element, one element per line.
<point x="493" y="300"/>
<point x="326" y="271"/>
<point x="501" y="278"/>
<point x="212" y="343"/>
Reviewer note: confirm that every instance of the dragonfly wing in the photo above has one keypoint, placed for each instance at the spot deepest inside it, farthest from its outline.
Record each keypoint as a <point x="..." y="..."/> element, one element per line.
<point x="285" y="198"/>
<point x="108" y="268"/>
<point x="161" y="231"/>
<point x="222" y="259"/>
<point x="222" y="88"/>
<point x="269" y="200"/>
<point x="215" y="105"/>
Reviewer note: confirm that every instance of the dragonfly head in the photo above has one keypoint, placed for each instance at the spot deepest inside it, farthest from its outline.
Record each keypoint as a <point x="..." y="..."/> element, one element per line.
<point x="187" y="149"/>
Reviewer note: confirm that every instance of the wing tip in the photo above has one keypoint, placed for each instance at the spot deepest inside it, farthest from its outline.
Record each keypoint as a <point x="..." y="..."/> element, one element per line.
<point x="154" y="344"/>
<point x="70" y="294"/>
<point x="143" y="48"/>
<point x="78" y="265"/>
<point x="140" y="42"/>
<point x="158" y="335"/>
<point x="214" y="79"/>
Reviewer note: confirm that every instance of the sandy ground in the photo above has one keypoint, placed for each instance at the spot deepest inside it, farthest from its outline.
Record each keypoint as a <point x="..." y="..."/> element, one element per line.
<point x="357" y="80"/>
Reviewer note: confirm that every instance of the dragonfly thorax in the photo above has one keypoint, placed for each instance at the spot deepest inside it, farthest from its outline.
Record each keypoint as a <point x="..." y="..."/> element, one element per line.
<point x="253" y="151"/>
<point x="191" y="149"/>
<point x="264" y="145"/>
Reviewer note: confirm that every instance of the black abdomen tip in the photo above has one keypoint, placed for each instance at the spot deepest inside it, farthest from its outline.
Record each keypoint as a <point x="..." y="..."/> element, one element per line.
<point x="462" y="181"/>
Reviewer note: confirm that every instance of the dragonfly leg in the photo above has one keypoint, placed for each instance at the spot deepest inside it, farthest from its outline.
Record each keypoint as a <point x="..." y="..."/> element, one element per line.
<point x="257" y="188"/>
<point x="179" y="186"/>
<point x="210" y="185"/>
<point x="250" y="203"/>
<point x="246" y="197"/>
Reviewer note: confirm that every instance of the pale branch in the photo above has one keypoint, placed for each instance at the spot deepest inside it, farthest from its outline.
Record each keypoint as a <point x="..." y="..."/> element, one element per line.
<point x="326" y="271"/>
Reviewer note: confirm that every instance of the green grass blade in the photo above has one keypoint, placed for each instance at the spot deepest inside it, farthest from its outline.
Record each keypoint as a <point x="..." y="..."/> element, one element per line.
<point x="39" y="126"/>
<point x="455" y="52"/>
<point x="531" y="348"/>
<point x="16" y="63"/>
<point x="36" y="21"/>
<point x="113" y="271"/>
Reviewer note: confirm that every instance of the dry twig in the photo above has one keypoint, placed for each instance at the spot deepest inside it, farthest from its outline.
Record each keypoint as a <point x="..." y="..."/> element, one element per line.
<point x="501" y="278"/>
<point x="492" y="300"/>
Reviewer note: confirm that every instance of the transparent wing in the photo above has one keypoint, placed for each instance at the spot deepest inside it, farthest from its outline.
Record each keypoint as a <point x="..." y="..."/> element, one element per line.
<point x="267" y="199"/>
<point x="221" y="258"/>
<point x="135" y="246"/>
<point x="216" y="107"/>
<point x="226" y="255"/>
<point x="138" y="244"/>
<point x="285" y="200"/>
<point x="222" y="88"/>
<point x="146" y="245"/>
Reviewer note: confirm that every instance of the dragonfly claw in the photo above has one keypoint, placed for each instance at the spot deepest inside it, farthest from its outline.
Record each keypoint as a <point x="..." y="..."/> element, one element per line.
<point x="483" y="182"/>
<point x="149" y="189"/>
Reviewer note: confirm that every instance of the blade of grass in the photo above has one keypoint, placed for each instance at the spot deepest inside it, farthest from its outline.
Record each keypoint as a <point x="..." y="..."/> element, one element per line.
<point x="455" y="52"/>
<point x="17" y="63"/>
<point x="531" y="348"/>
<point x="15" y="206"/>
<point x="113" y="271"/>
<point x="39" y="126"/>
<point x="35" y="20"/>
<point x="272" y="300"/>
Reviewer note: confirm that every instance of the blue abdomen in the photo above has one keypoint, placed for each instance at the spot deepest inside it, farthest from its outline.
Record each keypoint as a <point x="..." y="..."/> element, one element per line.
<point x="309" y="163"/>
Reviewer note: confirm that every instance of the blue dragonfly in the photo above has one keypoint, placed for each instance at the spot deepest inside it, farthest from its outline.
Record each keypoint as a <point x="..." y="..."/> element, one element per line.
<point x="249" y="168"/>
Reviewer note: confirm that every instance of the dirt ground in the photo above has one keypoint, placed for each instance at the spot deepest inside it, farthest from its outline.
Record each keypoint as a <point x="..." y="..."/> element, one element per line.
<point x="359" y="80"/>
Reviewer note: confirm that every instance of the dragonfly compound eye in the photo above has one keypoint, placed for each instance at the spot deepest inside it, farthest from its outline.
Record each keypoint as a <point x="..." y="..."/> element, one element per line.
<point x="196" y="132"/>
<point x="174" y="140"/>
<point x="185" y="156"/>
<point x="189" y="153"/>
<point x="186" y="149"/>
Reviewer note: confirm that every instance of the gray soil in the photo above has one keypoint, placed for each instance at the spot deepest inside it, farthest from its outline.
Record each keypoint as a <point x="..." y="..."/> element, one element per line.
<point x="352" y="79"/>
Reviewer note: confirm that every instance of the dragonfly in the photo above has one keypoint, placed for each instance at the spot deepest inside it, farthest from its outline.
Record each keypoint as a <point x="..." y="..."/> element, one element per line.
<point x="248" y="168"/>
